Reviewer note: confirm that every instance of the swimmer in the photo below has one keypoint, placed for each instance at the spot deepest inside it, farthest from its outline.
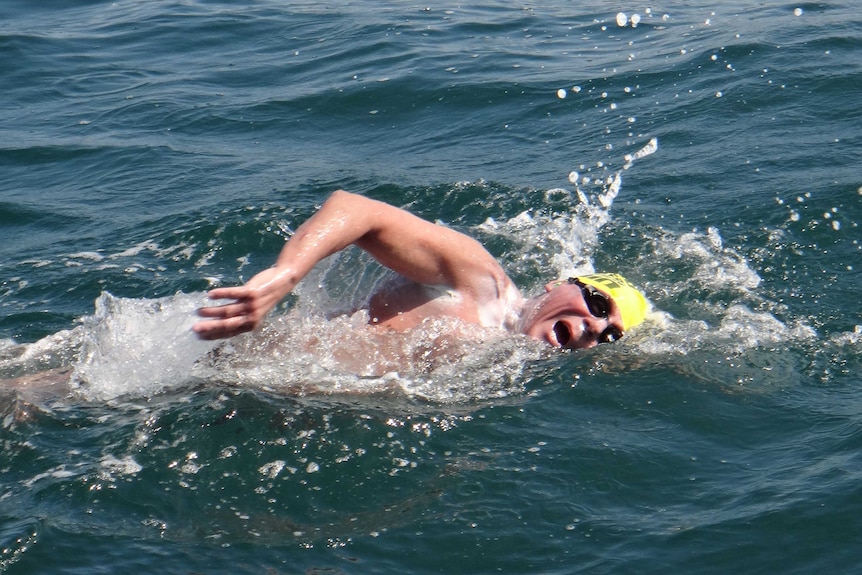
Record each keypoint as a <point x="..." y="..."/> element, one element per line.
<point x="446" y="273"/>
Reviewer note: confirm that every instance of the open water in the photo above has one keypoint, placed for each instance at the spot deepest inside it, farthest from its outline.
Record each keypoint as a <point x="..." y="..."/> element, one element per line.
<point x="710" y="151"/>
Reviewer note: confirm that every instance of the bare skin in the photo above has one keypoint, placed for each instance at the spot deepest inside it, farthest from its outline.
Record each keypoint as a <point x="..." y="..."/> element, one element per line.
<point x="467" y="282"/>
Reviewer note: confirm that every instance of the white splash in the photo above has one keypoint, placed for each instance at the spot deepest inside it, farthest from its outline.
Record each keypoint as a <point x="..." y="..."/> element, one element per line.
<point x="442" y="360"/>
<point x="724" y="304"/>
<point x="650" y="148"/>
<point x="138" y="346"/>
<point x="561" y="239"/>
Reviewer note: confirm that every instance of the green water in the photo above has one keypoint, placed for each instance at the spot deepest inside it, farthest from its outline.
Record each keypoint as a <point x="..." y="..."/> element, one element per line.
<point x="150" y="152"/>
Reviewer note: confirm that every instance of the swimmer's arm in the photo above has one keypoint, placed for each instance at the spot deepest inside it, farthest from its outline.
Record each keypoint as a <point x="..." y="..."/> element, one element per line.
<point x="415" y="248"/>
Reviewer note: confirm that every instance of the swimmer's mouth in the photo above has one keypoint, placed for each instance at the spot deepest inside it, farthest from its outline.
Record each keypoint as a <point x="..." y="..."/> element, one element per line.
<point x="562" y="334"/>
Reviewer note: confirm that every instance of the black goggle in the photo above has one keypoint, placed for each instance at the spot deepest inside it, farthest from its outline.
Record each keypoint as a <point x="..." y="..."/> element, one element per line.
<point x="599" y="306"/>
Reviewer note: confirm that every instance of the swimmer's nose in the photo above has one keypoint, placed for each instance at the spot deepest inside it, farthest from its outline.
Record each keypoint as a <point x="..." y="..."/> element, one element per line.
<point x="594" y="327"/>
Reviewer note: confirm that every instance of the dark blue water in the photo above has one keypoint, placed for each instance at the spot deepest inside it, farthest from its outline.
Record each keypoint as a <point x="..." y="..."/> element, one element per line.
<point x="711" y="152"/>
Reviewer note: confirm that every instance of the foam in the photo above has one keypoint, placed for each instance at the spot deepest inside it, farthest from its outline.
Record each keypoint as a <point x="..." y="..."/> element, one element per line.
<point x="725" y="308"/>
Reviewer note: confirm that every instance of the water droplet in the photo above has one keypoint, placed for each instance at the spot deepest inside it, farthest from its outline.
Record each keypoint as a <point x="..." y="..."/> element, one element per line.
<point x="622" y="19"/>
<point x="561" y="93"/>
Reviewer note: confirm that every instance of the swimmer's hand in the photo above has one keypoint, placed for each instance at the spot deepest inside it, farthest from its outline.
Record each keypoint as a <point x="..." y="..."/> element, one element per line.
<point x="251" y="302"/>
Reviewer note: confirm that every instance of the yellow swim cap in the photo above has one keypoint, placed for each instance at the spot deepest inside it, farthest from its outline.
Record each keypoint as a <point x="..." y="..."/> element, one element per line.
<point x="632" y="303"/>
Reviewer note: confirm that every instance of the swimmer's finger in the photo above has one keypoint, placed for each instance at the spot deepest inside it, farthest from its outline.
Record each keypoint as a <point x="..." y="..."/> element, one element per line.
<point x="222" y="328"/>
<point x="234" y="292"/>
<point x="227" y="310"/>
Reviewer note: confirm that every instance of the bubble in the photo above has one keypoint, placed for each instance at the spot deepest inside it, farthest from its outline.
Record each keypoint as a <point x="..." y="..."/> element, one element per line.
<point x="797" y="11"/>
<point x="561" y="93"/>
<point x="836" y="225"/>
<point x="573" y="177"/>
<point x="635" y="19"/>
<point x="622" y="19"/>
<point x="576" y="89"/>
<point x="719" y="94"/>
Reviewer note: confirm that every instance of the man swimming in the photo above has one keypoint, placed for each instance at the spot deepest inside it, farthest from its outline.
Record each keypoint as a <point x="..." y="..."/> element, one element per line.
<point x="446" y="273"/>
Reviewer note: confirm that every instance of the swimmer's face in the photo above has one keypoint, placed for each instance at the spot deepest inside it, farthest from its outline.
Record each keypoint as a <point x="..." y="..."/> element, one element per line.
<point x="572" y="315"/>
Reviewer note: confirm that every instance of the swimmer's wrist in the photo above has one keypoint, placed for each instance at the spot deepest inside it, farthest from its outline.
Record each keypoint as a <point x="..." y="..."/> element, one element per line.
<point x="284" y="279"/>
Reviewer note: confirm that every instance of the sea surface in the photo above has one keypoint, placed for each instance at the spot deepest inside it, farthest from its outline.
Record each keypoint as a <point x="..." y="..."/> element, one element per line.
<point x="710" y="151"/>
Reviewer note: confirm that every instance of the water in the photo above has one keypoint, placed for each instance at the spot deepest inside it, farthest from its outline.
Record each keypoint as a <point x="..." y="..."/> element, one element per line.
<point x="710" y="152"/>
